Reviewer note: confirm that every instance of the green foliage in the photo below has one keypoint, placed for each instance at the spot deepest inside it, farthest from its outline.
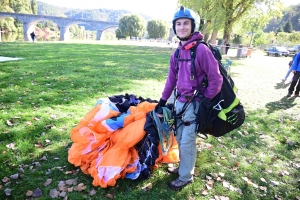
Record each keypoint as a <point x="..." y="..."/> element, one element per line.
<point x="290" y="13"/>
<point x="18" y="6"/>
<point x="158" y="29"/>
<point x="288" y="28"/>
<point x="132" y="25"/>
<point x="280" y="29"/>
<point x="260" y="38"/>
<point x="295" y="37"/>
<point x="119" y="34"/>
<point x="34" y="7"/>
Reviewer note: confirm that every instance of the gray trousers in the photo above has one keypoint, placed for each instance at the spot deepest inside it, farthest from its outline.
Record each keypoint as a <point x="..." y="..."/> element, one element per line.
<point x="186" y="139"/>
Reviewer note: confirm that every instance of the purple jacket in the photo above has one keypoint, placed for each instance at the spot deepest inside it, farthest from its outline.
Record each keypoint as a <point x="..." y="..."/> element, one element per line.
<point x="205" y="64"/>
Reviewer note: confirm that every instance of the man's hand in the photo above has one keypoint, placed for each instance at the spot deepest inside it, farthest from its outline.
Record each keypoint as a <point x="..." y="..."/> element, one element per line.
<point x="160" y="104"/>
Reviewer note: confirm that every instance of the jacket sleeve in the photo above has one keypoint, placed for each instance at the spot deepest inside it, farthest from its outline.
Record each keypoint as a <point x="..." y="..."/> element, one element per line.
<point x="296" y="62"/>
<point x="171" y="80"/>
<point x="210" y="67"/>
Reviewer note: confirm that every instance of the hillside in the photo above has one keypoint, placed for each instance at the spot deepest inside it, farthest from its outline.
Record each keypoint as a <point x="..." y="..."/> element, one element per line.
<point x="292" y="13"/>
<point x="100" y="14"/>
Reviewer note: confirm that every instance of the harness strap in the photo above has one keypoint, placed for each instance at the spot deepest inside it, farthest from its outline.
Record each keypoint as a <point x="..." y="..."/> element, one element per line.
<point x="193" y="55"/>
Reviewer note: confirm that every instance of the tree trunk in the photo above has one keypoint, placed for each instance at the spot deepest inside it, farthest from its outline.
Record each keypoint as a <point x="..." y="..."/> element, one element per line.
<point x="206" y="36"/>
<point x="214" y="38"/>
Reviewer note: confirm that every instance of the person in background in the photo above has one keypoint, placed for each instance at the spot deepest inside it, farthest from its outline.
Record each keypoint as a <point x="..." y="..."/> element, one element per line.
<point x="32" y="35"/>
<point x="227" y="46"/>
<point x="296" y="78"/>
<point x="180" y="77"/>
<point x="289" y="70"/>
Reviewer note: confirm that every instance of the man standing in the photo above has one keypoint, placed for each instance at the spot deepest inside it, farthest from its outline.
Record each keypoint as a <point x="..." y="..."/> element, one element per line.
<point x="296" y="78"/>
<point x="186" y="79"/>
<point x="227" y="46"/>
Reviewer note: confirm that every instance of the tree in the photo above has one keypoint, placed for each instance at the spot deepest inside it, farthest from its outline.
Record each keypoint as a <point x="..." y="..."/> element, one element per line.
<point x="280" y="29"/>
<point x="132" y="25"/>
<point x="119" y="34"/>
<point x="288" y="28"/>
<point x="34" y="7"/>
<point x="227" y="13"/>
<point x="158" y="29"/>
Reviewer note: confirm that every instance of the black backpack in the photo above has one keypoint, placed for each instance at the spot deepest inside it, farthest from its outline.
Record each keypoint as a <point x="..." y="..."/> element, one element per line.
<point x="225" y="112"/>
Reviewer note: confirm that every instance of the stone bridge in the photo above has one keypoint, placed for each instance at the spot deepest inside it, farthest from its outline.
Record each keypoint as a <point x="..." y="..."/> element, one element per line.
<point x="29" y="21"/>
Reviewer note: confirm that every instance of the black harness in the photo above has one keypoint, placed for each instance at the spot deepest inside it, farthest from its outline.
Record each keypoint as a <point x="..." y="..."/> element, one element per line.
<point x="197" y="93"/>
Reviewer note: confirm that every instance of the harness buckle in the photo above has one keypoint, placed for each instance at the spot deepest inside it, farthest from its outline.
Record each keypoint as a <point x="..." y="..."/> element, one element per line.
<point x="192" y="77"/>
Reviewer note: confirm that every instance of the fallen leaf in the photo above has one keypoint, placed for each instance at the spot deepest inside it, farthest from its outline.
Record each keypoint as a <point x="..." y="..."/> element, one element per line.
<point x="210" y="183"/>
<point x="111" y="196"/>
<point x="54" y="193"/>
<point x="7" y="192"/>
<point x="263" y="188"/>
<point x="263" y="180"/>
<point x="63" y="194"/>
<point x="92" y="192"/>
<point x="80" y="187"/>
<point x="29" y="193"/>
<point x="148" y="186"/>
<point x="71" y="181"/>
<point x="221" y="198"/>
<point x="11" y="146"/>
<point x="70" y="189"/>
<point x="43" y="158"/>
<point x="239" y="191"/>
<point x="28" y="123"/>
<point x="208" y="187"/>
<point x="204" y="192"/>
<point x="274" y="183"/>
<point x="48" y="141"/>
<point x="14" y="176"/>
<point x="5" y="179"/>
<point x="9" y="122"/>
<point x="226" y="184"/>
<point x="48" y="182"/>
<point x="37" y="193"/>
<point x="231" y="188"/>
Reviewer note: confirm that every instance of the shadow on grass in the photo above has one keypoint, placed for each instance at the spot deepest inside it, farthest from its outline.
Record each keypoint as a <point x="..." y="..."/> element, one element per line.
<point x="283" y="104"/>
<point x="281" y="85"/>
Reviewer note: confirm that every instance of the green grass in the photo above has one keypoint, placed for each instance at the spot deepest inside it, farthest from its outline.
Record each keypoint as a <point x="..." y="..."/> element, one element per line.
<point x="43" y="96"/>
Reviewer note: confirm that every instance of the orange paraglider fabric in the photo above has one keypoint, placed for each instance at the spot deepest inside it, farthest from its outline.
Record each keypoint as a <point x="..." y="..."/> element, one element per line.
<point x="104" y="142"/>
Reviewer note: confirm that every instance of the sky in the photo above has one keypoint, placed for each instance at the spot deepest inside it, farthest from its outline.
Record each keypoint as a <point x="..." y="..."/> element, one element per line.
<point x="159" y="9"/>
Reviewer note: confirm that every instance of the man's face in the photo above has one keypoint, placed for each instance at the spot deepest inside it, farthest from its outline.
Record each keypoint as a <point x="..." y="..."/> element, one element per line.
<point x="183" y="27"/>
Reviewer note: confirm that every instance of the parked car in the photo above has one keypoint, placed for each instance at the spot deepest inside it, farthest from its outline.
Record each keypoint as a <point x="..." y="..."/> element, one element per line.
<point x="278" y="51"/>
<point x="294" y="49"/>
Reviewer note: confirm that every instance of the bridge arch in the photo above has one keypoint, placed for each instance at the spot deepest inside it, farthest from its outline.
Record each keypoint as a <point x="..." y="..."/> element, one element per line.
<point x="64" y="24"/>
